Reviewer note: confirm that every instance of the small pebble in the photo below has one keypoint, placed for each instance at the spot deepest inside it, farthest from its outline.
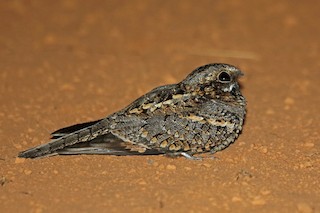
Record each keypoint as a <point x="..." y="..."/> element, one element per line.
<point x="161" y="166"/>
<point x="187" y="168"/>
<point x="207" y="165"/>
<point x="19" y="160"/>
<point x="264" y="150"/>
<point x="258" y="201"/>
<point x="308" y="144"/>
<point x="304" y="208"/>
<point x="27" y="172"/>
<point x="171" y="167"/>
<point x="236" y="199"/>
<point x="265" y="192"/>
<point x="142" y="182"/>
<point x="306" y="165"/>
<point x="289" y="101"/>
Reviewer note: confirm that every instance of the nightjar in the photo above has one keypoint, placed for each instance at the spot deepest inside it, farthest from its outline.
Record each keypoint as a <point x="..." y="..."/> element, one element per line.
<point x="203" y="113"/>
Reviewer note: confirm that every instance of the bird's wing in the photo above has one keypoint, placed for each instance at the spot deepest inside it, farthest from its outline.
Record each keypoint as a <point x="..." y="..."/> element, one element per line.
<point x="158" y="94"/>
<point x="70" y="129"/>
<point x="81" y="133"/>
<point x="107" y="144"/>
<point x="126" y="136"/>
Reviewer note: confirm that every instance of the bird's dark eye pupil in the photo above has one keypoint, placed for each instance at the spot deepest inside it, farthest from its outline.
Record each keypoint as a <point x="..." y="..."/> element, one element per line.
<point x="224" y="77"/>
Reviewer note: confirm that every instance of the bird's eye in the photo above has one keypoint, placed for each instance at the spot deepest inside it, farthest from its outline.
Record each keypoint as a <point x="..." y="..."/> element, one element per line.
<point x="224" y="77"/>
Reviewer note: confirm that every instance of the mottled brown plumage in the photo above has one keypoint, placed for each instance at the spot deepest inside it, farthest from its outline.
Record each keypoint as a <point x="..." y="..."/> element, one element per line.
<point x="202" y="113"/>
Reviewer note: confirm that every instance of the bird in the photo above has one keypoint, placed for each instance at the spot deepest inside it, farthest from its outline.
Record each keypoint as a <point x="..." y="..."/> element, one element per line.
<point x="203" y="113"/>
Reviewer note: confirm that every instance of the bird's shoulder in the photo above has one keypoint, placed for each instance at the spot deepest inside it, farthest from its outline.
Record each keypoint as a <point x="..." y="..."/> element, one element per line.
<point x="158" y="98"/>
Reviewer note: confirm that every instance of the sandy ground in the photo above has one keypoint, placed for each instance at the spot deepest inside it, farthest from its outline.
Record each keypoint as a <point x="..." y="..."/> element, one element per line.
<point x="73" y="61"/>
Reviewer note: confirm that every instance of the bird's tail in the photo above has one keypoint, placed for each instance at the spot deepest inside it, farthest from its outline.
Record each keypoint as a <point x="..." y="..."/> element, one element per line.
<point x="81" y="135"/>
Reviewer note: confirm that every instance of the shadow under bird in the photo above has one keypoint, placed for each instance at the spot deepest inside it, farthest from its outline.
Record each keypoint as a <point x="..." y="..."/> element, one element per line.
<point x="203" y="113"/>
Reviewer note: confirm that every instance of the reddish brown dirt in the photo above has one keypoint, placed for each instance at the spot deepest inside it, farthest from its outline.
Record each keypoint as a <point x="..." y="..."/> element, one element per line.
<point x="64" y="62"/>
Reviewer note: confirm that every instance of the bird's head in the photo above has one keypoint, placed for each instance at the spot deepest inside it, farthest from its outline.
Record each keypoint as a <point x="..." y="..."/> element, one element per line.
<point x="213" y="79"/>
